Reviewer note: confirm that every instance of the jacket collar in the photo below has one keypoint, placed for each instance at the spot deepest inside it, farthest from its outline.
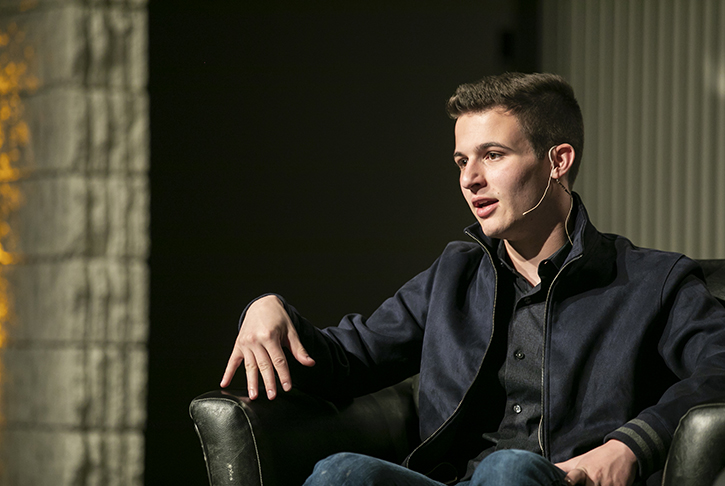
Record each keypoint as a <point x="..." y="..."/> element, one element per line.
<point x="583" y="235"/>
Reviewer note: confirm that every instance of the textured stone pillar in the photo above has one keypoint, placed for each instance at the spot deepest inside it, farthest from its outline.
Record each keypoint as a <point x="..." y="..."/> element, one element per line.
<point x="73" y="375"/>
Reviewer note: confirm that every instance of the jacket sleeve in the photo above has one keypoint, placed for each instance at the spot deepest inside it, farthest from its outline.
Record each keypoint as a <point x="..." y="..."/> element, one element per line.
<point x="360" y="354"/>
<point x="692" y="345"/>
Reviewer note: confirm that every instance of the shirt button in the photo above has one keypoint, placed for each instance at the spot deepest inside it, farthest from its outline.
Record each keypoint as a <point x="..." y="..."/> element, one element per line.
<point x="527" y="300"/>
<point x="519" y="355"/>
<point x="517" y="408"/>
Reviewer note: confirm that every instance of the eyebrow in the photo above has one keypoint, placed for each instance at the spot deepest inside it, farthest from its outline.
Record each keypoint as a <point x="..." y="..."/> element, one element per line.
<point x="484" y="146"/>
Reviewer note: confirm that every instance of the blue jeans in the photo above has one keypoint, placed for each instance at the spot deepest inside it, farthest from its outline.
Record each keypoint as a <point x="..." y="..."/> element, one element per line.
<point x="502" y="468"/>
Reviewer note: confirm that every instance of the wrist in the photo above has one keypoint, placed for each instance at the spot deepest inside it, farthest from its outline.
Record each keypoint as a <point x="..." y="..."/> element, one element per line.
<point x="627" y="458"/>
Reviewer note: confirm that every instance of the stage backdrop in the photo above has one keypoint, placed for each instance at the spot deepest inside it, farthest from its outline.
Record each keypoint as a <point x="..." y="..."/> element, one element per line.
<point x="650" y="78"/>
<point x="74" y="238"/>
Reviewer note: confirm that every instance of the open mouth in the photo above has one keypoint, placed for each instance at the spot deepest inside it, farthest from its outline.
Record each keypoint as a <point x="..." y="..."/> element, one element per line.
<point x="484" y="206"/>
<point x="482" y="203"/>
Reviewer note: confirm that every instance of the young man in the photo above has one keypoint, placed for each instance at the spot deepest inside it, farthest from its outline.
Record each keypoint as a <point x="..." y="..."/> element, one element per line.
<point x="548" y="353"/>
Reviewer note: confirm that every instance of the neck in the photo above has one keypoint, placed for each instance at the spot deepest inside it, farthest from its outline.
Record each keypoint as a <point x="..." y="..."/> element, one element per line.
<point x="550" y="234"/>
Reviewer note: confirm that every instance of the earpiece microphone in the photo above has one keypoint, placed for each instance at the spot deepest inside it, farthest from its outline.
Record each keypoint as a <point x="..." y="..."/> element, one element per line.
<point x="563" y="187"/>
<point x="548" y="184"/>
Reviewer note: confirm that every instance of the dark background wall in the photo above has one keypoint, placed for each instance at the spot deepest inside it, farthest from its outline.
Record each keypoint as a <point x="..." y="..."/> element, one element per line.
<point x="304" y="149"/>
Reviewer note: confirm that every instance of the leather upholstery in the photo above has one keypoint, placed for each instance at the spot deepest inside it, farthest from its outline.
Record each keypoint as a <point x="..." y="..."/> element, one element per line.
<point x="277" y="443"/>
<point x="720" y="481"/>
<point x="697" y="453"/>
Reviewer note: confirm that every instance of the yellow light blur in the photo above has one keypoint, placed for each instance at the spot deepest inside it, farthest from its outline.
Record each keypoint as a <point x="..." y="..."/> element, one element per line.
<point x="15" y="83"/>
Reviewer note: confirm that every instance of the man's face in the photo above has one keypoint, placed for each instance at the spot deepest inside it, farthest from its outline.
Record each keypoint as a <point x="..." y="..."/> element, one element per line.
<point x="501" y="177"/>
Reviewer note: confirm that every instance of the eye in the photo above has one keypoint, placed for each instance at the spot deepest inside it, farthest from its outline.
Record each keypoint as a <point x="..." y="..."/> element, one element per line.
<point x="493" y="156"/>
<point x="461" y="163"/>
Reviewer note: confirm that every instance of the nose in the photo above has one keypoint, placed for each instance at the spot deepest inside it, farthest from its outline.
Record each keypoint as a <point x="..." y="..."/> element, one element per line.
<point x="472" y="176"/>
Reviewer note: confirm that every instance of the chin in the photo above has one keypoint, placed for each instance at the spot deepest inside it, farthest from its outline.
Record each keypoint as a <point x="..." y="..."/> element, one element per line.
<point x="490" y="232"/>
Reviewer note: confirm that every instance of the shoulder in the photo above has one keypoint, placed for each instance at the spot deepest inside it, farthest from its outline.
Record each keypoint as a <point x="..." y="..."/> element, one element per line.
<point x="610" y="248"/>
<point x="648" y="258"/>
<point x="651" y="266"/>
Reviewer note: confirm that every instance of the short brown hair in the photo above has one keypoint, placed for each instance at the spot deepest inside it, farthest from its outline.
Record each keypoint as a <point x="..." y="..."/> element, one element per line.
<point x="543" y="104"/>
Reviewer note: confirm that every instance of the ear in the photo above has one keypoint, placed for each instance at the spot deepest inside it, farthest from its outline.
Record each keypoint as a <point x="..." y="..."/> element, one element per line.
<point x="562" y="158"/>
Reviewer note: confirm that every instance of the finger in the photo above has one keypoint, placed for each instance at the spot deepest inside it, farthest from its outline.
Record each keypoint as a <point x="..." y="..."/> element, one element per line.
<point x="279" y="361"/>
<point x="232" y="365"/>
<point x="250" y="366"/>
<point x="576" y="476"/>
<point x="298" y="351"/>
<point x="266" y="369"/>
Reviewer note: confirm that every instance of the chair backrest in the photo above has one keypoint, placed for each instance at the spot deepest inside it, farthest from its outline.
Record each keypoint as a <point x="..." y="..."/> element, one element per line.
<point x="714" y="271"/>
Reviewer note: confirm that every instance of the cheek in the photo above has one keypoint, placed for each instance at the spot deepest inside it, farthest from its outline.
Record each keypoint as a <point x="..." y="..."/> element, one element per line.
<point x="529" y="182"/>
<point x="511" y="184"/>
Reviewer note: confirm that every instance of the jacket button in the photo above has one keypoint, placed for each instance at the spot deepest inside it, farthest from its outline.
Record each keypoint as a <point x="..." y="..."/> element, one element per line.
<point x="517" y="408"/>
<point x="519" y="355"/>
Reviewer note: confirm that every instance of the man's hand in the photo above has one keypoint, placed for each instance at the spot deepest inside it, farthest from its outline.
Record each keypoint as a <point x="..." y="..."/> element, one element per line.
<point x="266" y="328"/>
<point x="611" y="464"/>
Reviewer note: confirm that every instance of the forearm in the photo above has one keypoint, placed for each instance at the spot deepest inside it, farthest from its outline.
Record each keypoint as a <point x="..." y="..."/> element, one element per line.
<point x="358" y="356"/>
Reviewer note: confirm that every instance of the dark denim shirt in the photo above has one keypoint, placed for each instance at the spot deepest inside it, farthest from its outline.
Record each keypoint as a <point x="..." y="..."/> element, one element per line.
<point x="520" y="373"/>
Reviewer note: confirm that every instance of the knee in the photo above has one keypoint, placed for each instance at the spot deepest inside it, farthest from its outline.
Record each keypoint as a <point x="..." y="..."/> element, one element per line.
<point x="505" y="460"/>
<point x="342" y="468"/>
<point x="512" y="458"/>
<point x="528" y="466"/>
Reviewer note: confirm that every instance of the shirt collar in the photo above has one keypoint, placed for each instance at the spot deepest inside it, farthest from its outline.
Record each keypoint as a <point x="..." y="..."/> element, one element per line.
<point x="547" y="268"/>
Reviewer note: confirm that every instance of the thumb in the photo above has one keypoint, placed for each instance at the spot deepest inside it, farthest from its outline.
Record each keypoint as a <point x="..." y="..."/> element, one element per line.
<point x="298" y="351"/>
<point x="576" y="476"/>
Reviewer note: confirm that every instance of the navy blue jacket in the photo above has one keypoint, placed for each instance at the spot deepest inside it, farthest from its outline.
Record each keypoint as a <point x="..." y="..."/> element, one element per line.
<point x="632" y="340"/>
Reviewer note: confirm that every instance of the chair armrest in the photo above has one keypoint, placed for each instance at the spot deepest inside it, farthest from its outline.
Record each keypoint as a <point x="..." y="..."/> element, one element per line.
<point x="696" y="455"/>
<point x="274" y="443"/>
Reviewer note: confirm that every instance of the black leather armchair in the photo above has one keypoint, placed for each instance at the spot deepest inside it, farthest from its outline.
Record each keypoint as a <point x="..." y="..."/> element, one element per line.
<point x="277" y="443"/>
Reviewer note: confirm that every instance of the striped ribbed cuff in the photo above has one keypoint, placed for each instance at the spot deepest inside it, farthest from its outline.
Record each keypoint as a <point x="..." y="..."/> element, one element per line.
<point x="648" y="444"/>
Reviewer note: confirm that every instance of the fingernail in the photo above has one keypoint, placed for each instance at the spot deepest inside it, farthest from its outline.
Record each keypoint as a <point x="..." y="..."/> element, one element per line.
<point x="252" y="393"/>
<point x="270" y="394"/>
<point x="286" y="386"/>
